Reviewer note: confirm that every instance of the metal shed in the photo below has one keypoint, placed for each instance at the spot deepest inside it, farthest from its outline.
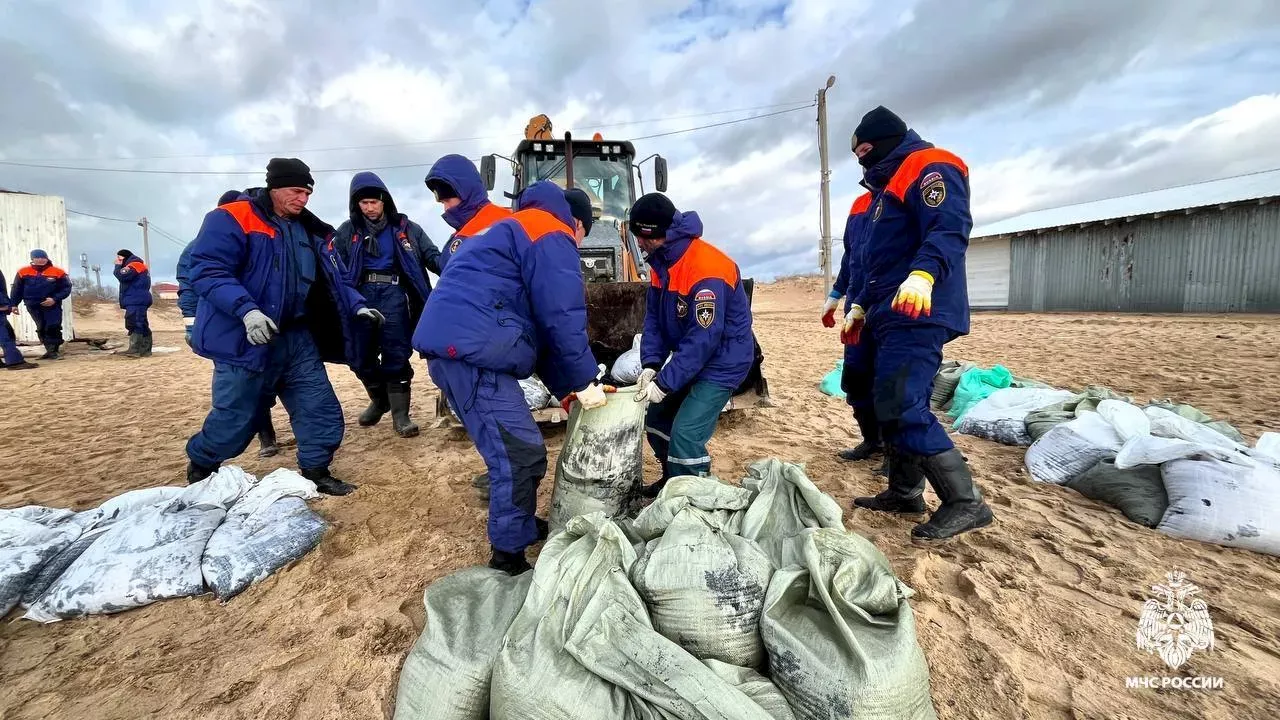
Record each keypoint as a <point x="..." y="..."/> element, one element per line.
<point x="27" y="222"/>
<point x="1207" y="247"/>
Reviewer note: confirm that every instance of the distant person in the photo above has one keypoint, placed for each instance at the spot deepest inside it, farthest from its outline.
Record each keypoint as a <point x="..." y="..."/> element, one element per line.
<point x="916" y="301"/>
<point x="188" y="301"/>
<point x="512" y="302"/>
<point x="456" y="184"/>
<point x="387" y="256"/>
<point x="135" y="298"/>
<point x="42" y="286"/>
<point x="698" y="313"/>
<point x="13" y="359"/>
<point x="274" y="307"/>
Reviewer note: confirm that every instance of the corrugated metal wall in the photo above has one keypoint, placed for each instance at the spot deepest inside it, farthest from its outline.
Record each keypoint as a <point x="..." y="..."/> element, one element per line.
<point x="1207" y="261"/>
<point x="28" y="222"/>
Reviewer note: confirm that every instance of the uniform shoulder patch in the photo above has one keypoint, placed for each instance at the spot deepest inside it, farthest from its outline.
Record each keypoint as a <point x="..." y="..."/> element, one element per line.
<point x="927" y="179"/>
<point x="704" y="295"/>
<point x="875" y="216"/>
<point x="453" y="246"/>
<point x="934" y="193"/>
<point x="682" y="307"/>
<point x="705" y="312"/>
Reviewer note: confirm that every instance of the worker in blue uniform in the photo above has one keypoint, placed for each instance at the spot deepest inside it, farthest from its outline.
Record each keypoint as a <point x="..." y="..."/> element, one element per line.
<point x="387" y="256"/>
<point x="188" y="302"/>
<point x="510" y="302"/>
<point x="858" y="373"/>
<point x="135" y="299"/>
<point x="274" y="307"/>
<point x="913" y="300"/>
<point x="456" y="184"/>
<point x="42" y="286"/>
<point x="697" y="313"/>
<point x="13" y="359"/>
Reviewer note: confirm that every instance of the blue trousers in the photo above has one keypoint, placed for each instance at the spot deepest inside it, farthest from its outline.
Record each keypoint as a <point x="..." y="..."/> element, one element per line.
<point x="48" y="322"/>
<point x="9" y="343"/>
<point x="858" y="383"/>
<point x="680" y="427"/>
<point x="135" y="320"/>
<point x="492" y="409"/>
<point x="906" y="359"/>
<point x="297" y="375"/>
<point x="387" y="349"/>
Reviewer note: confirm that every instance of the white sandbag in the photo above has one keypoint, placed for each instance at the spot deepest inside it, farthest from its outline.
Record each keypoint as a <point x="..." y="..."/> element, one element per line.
<point x="579" y="574"/>
<point x="1002" y="416"/>
<point x="759" y="688"/>
<point x="727" y="504"/>
<point x="1168" y="424"/>
<point x="268" y="528"/>
<point x="1269" y="445"/>
<point x="840" y="635"/>
<point x="786" y="502"/>
<point x="1128" y="420"/>
<point x="1169" y="436"/>
<point x="601" y="464"/>
<point x="1071" y="448"/>
<point x="151" y="555"/>
<point x="30" y="536"/>
<point x="704" y="588"/>
<point x="536" y="395"/>
<point x="626" y="369"/>
<point x="1224" y="503"/>
<point x="447" y="673"/>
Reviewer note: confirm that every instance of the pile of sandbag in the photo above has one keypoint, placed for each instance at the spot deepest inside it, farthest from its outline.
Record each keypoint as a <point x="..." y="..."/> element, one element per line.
<point x="627" y="368"/>
<point x="224" y="533"/>
<point x="1002" y="415"/>
<point x="718" y="601"/>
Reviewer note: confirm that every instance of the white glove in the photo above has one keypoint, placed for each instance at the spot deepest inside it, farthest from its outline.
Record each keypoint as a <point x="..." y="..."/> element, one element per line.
<point x="188" y="321"/>
<point x="651" y="393"/>
<point x="259" y="327"/>
<point x="371" y="315"/>
<point x="646" y="377"/>
<point x="592" y="397"/>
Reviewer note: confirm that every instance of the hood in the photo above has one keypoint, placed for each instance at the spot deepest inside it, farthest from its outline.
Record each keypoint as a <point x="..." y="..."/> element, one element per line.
<point x="548" y="196"/>
<point x="685" y="226"/>
<point x="461" y="175"/>
<point x="361" y="181"/>
<point x="878" y="176"/>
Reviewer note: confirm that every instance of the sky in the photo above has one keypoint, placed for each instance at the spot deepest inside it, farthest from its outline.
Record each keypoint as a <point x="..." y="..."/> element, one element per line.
<point x="1049" y="103"/>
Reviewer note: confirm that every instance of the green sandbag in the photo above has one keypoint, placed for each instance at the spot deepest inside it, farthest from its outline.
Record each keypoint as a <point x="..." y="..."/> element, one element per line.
<point x="1043" y="420"/>
<point x="831" y="381"/>
<point x="1194" y="414"/>
<point x="1138" y="492"/>
<point x="975" y="386"/>
<point x="944" y="383"/>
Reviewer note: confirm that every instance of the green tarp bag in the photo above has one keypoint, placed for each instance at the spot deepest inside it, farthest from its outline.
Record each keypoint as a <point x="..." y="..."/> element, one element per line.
<point x="975" y="386"/>
<point x="831" y="381"/>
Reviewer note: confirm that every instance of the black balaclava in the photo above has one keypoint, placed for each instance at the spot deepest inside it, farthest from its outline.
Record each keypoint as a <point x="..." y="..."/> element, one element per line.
<point x="884" y="130"/>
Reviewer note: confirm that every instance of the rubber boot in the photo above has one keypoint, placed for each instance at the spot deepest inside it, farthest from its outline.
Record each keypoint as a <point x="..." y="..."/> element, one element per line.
<point x="510" y="563"/>
<point x="267" y="443"/>
<point x="135" y="345"/>
<point x="24" y="365"/>
<point x="398" y="395"/>
<point x="50" y="352"/>
<point x="963" y="508"/>
<point x="651" y="491"/>
<point x="870" y="444"/>
<point x="544" y="528"/>
<point x="327" y="483"/>
<point x="144" y="346"/>
<point x="379" y="405"/>
<point x="196" y="473"/>
<point x="905" y="493"/>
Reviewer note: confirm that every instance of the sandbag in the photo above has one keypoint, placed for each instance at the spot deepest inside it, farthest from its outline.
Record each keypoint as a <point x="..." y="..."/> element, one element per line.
<point x="447" y="673"/>
<point x="726" y="504"/>
<point x="945" y="382"/>
<point x="1045" y="419"/>
<point x="759" y="688"/>
<point x="831" y="382"/>
<point x="536" y="395"/>
<point x="840" y="635"/>
<point x="704" y="588"/>
<point x="601" y="464"/>
<point x="1002" y="416"/>
<point x="1137" y="492"/>
<point x="1069" y="449"/>
<point x="1169" y="436"/>
<point x="1195" y="415"/>
<point x="786" y="503"/>
<point x="975" y="385"/>
<point x="150" y="555"/>
<point x="626" y="369"/>
<point x="30" y="536"/>
<point x="1223" y="503"/>
<point x="269" y="527"/>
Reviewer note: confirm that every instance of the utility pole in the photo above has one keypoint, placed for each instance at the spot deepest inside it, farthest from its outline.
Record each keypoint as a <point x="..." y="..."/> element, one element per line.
<point x="824" y="250"/>
<point x="84" y="263"/>
<point x="146" y="245"/>
<point x="97" y="276"/>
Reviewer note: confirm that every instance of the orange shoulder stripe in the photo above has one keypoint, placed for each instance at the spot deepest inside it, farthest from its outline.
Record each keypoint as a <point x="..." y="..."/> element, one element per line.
<point x="910" y="169"/>
<point x="138" y="266"/>
<point x="26" y="271"/>
<point x="861" y="205"/>
<point x="247" y="219"/>
<point x="537" y="224"/>
<point x="486" y="216"/>
<point x="702" y="261"/>
<point x="55" y="272"/>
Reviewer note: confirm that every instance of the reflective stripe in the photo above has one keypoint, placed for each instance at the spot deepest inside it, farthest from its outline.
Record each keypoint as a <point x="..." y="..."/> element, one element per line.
<point x="690" y="461"/>
<point x="652" y="431"/>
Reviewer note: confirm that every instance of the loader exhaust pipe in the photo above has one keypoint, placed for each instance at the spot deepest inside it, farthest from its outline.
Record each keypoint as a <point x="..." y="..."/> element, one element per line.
<point x="568" y="160"/>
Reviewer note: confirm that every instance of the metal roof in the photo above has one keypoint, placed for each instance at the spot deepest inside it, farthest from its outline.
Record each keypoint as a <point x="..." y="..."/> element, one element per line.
<point x="1254" y="186"/>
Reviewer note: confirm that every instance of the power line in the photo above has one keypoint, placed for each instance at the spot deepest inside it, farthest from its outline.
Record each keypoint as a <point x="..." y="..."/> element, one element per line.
<point x="591" y="125"/>
<point x="167" y="236"/>
<point x="100" y="217"/>
<point x="722" y="124"/>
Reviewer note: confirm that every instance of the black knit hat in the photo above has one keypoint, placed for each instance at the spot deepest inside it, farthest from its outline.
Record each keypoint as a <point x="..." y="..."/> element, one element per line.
<point x="124" y="254"/>
<point x="441" y="189"/>
<point x="652" y="215"/>
<point x="369" y="193"/>
<point x="580" y="207"/>
<point x="289" y="173"/>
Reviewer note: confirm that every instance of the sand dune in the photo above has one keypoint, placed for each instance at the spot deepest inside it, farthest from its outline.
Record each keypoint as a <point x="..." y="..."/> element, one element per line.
<point x="1032" y="618"/>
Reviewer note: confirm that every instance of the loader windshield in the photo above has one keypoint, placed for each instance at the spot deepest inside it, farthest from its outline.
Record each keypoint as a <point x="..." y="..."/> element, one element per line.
<point x="607" y="182"/>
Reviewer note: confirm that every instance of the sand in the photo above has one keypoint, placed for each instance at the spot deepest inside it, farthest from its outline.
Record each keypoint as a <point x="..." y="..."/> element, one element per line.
<point x="1032" y="618"/>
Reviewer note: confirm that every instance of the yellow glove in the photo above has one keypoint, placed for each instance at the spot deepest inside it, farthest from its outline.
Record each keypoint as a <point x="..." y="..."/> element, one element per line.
<point x="915" y="295"/>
